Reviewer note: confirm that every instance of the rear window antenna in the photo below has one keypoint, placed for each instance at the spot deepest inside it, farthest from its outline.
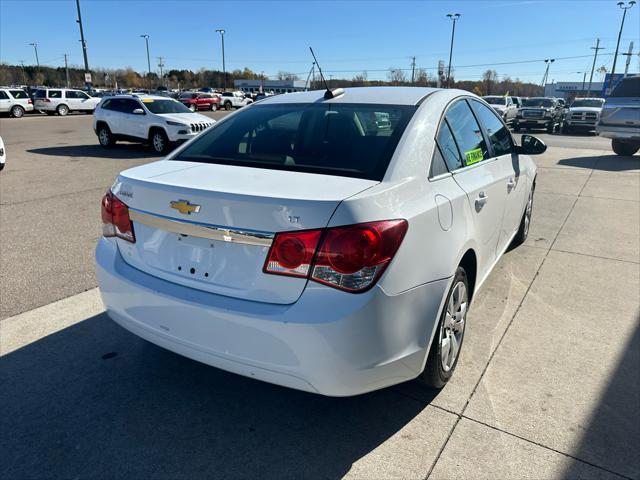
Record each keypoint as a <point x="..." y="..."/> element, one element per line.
<point x="328" y="94"/>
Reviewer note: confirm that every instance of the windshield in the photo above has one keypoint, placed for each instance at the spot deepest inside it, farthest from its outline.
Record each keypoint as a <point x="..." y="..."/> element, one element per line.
<point x="188" y="95"/>
<point x="352" y="140"/>
<point x="588" y="103"/>
<point x="495" y="100"/>
<point x="164" y="106"/>
<point x="538" y="102"/>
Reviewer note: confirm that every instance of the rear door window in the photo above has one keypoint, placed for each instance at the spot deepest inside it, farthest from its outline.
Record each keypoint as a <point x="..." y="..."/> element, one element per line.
<point x="467" y="133"/>
<point x="629" y="87"/>
<point x="55" y="93"/>
<point x="448" y="148"/>
<point x="498" y="133"/>
<point x="18" y="94"/>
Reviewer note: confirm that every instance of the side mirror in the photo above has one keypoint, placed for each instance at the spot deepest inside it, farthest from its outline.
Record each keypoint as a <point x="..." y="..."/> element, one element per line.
<point x="531" y="145"/>
<point x="138" y="111"/>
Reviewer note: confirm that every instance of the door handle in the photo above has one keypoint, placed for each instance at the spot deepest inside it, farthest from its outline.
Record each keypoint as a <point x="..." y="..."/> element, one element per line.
<point x="481" y="200"/>
<point x="510" y="185"/>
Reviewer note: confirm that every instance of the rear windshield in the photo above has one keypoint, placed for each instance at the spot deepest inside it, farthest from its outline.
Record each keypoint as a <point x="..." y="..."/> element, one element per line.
<point x="352" y="140"/>
<point x="587" y="103"/>
<point x="537" y="102"/>
<point x="164" y="106"/>
<point x="495" y="100"/>
<point x="19" y="94"/>
<point x="629" y="87"/>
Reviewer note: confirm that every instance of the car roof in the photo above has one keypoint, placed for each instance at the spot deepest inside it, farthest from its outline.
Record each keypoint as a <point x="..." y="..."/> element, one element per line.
<point x="140" y="96"/>
<point x="369" y="95"/>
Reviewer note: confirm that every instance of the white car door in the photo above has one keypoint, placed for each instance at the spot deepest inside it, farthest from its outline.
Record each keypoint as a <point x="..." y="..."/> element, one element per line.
<point x="85" y="102"/>
<point x="5" y="101"/>
<point x="132" y="124"/>
<point x="478" y="174"/>
<point x="515" y="184"/>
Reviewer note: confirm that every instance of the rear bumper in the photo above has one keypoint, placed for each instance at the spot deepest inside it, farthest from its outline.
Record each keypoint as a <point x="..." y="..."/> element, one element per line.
<point x="618" y="133"/>
<point x="328" y="342"/>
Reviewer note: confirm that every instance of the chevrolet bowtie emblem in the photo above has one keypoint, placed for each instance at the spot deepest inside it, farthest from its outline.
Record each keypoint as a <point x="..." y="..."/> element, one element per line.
<point x="184" y="207"/>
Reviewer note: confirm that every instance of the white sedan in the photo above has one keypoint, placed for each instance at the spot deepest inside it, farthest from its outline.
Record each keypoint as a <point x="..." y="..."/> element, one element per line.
<point x="303" y="242"/>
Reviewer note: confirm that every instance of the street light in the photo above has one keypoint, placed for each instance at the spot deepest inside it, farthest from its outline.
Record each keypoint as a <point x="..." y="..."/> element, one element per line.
<point x="548" y="62"/>
<point x="35" y="47"/>
<point x="454" y="17"/>
<point x="224" y="68"/>
<point x="624" y="6"/>
<point x="146" y="40"/>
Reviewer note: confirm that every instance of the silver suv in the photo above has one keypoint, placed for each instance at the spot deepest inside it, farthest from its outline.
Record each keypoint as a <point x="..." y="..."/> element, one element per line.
<point x="620" y="117"/>
<point x="15" y="101"/>
<point x="64" y="100"/>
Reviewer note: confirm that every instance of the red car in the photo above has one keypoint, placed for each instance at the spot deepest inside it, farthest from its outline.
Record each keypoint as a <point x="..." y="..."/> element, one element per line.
<point x="200" y="101"/>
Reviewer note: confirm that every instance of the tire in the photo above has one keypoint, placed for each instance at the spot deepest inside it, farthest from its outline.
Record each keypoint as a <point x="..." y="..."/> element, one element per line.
<point x="566" y="129"/>
<point x="1" y="166"/>
<point x="551" y="128"/>
<point x="213" y="107"/>
<point x="17" y="111"/>
<point x="193" y="107"/>
<point x="525" y="223"/>
<point x="437" y="371"/>
<point x="621" y="147"/>
<point x="227" y="105"/>
<point x="62" y="110"/>
<point x="159" y="141"/>
<point x="105" y="137"/>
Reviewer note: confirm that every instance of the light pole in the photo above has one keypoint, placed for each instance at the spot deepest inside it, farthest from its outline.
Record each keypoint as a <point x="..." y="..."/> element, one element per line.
<point x="221" y="31"/>
<point x="624" y="6"/>
<point x="35" y="48"/>
<point x="146" y="40"/>
<point x="84" y="43"/>
<point x="454" y="17"/>
<point x="548" y="62"/>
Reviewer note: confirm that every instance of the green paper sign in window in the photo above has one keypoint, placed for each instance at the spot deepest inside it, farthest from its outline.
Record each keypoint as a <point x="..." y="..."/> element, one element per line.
<point x="474" y="156"/>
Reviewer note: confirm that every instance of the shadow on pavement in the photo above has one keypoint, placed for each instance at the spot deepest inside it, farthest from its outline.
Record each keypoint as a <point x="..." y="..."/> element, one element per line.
<point x="612" y="436"/>
<point x="119" y="151"/>
<point x="95" y="401"/>
<point x="606" y="163"/>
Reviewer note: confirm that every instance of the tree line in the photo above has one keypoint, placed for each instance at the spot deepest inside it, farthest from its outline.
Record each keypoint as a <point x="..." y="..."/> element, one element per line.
<point x="490" y="84"/>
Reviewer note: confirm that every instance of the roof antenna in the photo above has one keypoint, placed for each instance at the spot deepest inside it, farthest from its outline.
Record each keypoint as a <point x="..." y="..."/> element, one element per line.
<point x="328" y="94"/>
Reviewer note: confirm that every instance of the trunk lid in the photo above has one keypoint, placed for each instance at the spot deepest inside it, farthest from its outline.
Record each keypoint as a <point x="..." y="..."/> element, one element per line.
<point x="222" y="247"/>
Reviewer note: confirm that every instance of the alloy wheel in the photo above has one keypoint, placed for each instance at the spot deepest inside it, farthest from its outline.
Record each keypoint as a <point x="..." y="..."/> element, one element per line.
<point x="158" y="142"/>
<point x="527" y="214"/>
<point x="452" y="329"/>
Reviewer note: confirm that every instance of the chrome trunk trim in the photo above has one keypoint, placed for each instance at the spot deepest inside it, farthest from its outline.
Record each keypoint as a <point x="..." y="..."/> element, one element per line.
<point x="211" y="232"/>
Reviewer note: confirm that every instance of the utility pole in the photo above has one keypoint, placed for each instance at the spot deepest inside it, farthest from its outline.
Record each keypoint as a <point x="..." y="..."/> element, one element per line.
<point x="413" y="69"/>
<point x="221" y="31"/>
<point x="628" y="55"/>
<point x="161" y="66"/>
<point x="624" y="8"/>
<point x="146" y="40"/>
<point x="548" y="62"/>
<point x="35" y="47"/>
<point x="66" y="69"/>
<point x="595" y="57"/>
<point x="454" y="17"/>
<point x="84" y="43"/>
<point x="584" y="78"/>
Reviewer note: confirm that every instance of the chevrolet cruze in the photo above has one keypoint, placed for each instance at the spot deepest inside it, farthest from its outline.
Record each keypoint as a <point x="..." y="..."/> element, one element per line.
<point x="325" y="241"/>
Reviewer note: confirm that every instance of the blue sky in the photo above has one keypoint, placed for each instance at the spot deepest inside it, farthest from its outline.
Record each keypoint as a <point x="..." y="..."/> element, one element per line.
<point x="347" y="36"/>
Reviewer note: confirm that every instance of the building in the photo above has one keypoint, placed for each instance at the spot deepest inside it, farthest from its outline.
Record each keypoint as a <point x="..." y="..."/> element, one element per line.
<point x="568" y="90"/>
<point x="275" y="86"/>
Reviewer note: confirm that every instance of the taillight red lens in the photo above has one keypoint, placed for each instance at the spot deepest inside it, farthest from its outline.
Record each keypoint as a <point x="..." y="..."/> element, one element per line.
<point x="350" y="258"/>
<point x="115" y="218"/>
<point x="292" y="252"/>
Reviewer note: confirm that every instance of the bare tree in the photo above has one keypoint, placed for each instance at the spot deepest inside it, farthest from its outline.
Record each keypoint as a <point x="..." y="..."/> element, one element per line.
<point x="489" y="80"/>
<point x="396" y="76"/>
<point x="360" y="79"/>
<point x="287" y="76"/>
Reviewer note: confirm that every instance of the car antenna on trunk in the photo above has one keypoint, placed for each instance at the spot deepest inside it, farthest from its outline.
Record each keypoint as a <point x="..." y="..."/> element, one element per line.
<point x="328" y="93"/>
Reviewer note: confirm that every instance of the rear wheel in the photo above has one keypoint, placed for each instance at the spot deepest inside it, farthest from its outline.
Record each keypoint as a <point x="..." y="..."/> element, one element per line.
<point x="213" y="107"/>
<point x="525" y="223"/>
<point x="62" y="110"/>
<point x="621" y="147"/>
<point x="159" y="141"/>
<point x="105" y="137"/>
<point x="17" y="111"/>
<point x="551" y="127"/>
<point x="447" y="342"/>
<point x="193" y="107"/>
<point x="227" y="105"/>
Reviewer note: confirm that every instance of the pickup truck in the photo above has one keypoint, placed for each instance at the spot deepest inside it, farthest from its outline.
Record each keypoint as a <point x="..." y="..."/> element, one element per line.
<point x="503" y="106"/>
<point x="229" y="100"/>
<point x="582" y="114"/>
<point x="620" y="117"/>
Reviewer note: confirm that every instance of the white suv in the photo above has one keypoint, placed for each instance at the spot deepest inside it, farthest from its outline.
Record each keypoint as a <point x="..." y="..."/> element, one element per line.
<point x="157" y="120"/>
<point x="64" y="100"/>
<point x="229" y="100"/>
<point x="15" y="101"/>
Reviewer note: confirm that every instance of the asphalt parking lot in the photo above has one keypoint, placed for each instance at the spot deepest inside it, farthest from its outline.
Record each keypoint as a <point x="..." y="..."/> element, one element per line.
<point x="547" y="385"/>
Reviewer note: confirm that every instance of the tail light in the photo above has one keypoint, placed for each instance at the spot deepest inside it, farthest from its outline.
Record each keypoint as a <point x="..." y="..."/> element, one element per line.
<point x="115" y="219"/>
<point x="29" y="101"/>
<point x="350" y="258"/>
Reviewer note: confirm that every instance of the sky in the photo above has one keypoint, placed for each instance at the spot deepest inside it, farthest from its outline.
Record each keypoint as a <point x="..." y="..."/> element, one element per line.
<point x="348" y="37"/>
